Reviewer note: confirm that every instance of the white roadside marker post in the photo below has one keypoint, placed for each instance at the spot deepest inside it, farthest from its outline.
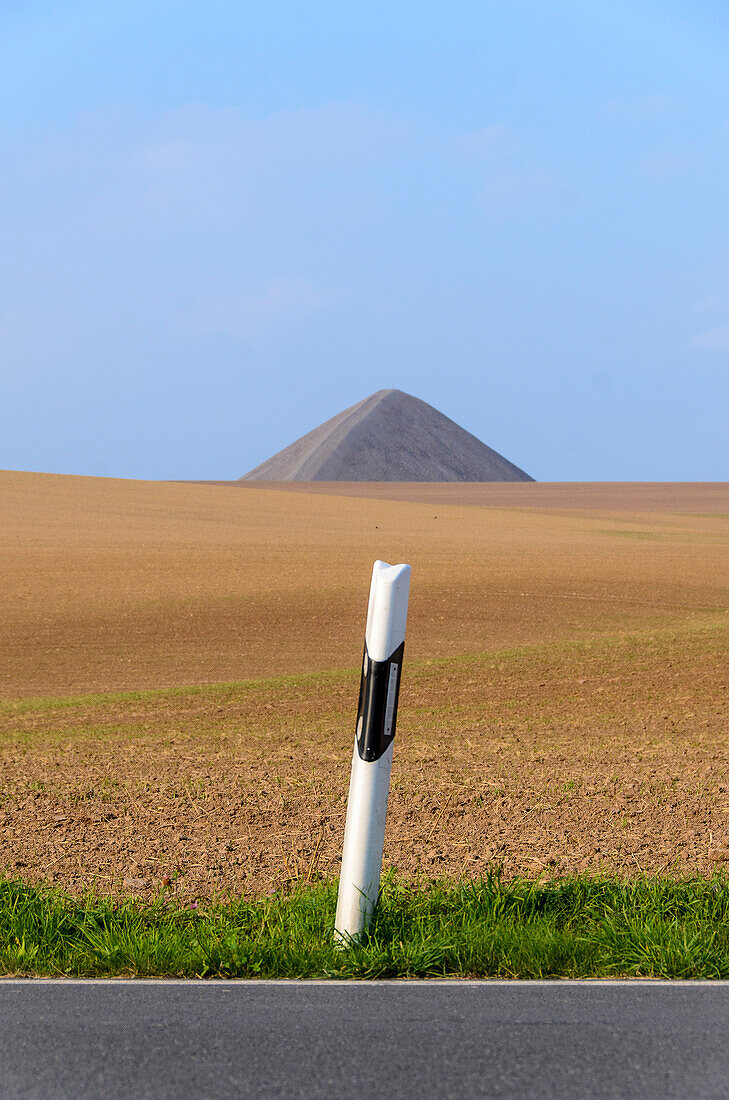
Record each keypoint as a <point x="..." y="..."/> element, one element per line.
<point x="364" y="831"/>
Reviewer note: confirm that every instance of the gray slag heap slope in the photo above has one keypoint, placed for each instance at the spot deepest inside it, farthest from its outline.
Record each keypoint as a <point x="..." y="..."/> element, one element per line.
<point x="389" y="436"/>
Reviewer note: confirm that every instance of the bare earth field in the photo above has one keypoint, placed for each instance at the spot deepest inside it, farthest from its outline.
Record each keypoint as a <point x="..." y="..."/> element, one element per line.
<point x="179" y="670"/>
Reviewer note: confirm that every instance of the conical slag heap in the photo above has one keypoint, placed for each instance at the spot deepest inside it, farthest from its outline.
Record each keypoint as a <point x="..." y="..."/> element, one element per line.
<point x="389" y="436"/>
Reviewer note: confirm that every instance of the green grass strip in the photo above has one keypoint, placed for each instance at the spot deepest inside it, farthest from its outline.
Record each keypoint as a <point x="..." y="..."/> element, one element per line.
<point x="576" y="928"/>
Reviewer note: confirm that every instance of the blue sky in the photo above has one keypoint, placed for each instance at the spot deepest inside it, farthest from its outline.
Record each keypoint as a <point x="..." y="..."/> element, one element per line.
<point x="222" y="223"/>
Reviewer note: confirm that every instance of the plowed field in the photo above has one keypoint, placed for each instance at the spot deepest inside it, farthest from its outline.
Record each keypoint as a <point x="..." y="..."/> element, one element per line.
<point x="179" y="669"/>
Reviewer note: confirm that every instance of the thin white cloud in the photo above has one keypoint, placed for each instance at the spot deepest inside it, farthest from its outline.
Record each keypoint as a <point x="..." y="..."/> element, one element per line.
<point x="644" y="108"/>
<point x="714" y="339"/>
<point x="517" y="190"/>
<point x="664" y="164"/>
<point x="249" y="316"/>
<point x="336" y="137"/>
<point x="207" y="166"/>
<point x="483" y="142"/>
<point x="713" y="303"/>
<point x="513" y="181"/>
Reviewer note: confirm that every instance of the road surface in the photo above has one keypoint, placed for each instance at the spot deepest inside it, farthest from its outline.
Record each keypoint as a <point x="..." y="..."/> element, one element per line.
<point x="401" y="1039"/>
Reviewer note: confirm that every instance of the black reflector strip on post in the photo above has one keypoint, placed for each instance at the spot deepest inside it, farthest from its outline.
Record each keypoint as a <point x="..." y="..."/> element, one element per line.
<point x="377" y="711"/>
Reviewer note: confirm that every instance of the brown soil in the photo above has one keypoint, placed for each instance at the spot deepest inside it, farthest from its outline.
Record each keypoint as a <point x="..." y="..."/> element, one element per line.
<point x="564" y="705"/>
<point x="109" y="585"/>
<point x="692" y="497"/>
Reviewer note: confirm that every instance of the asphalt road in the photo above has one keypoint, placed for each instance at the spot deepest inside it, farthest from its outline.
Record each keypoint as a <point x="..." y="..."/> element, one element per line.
<point x="439" y="1039"/>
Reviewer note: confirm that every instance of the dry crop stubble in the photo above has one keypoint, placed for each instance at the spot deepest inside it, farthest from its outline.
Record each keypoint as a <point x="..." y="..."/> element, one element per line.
<point x="564" y="704"/>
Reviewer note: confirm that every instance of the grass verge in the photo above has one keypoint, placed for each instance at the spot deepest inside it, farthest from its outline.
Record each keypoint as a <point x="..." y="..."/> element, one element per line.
<point x="574" y="928"/>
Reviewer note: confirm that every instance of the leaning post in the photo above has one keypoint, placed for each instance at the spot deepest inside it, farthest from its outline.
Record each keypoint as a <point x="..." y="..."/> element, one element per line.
<point x="364" y="831"/>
